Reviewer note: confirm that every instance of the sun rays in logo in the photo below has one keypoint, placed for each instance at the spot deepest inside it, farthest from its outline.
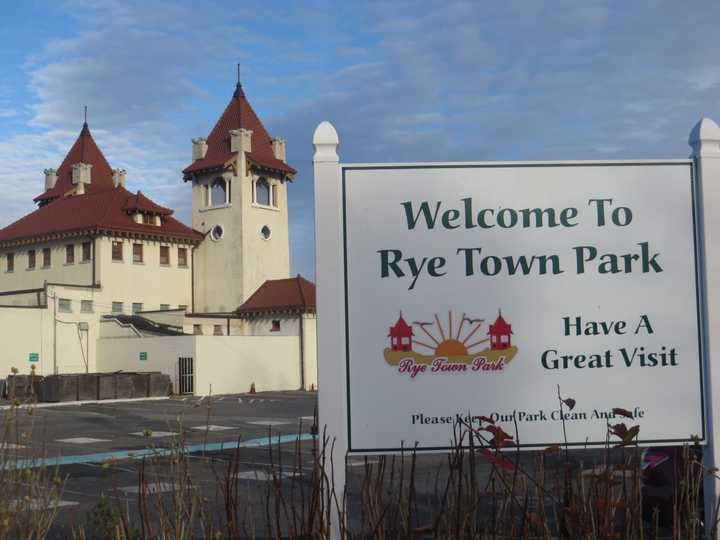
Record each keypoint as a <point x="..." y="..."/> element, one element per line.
<point x="452" y="340"/>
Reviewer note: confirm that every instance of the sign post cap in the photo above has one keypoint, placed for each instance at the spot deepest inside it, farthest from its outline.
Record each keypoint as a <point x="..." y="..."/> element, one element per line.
<point x="325" y="140"/>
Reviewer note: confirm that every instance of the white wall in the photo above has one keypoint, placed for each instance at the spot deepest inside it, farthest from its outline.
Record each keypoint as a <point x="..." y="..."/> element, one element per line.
<point x="24" y="332"/>
<point x="232" y="363"/>
<point x="223" y="365"/>
<point x="123" y="354"/>
<point x="310" y="350"/>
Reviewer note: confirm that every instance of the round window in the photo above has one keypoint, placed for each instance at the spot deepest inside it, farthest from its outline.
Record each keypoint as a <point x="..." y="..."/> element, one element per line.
<point x="265" y="232"/>
<point x="217" y="232"/>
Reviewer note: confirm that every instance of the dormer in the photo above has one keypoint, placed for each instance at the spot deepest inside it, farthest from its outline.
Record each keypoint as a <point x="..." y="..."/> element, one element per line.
<point x="241" y="140"/>
<point x="81" y="176"/>
<point x="144" y="211"/>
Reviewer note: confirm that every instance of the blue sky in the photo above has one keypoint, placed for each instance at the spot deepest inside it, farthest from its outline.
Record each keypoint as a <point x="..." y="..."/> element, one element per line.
<point x="401" y="81"/>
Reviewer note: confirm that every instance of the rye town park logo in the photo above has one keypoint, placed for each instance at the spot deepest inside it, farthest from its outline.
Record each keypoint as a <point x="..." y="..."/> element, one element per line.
<point x="431" y="348"/>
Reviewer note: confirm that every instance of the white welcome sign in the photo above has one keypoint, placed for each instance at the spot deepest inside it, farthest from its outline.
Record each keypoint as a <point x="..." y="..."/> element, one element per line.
<point x="475" y="290"/>
<point x="451" y="291"/>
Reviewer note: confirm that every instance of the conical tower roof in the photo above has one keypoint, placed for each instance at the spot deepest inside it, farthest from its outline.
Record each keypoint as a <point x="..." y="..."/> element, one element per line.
<point x="85" y="150"/>
<point x="238" y="114"/>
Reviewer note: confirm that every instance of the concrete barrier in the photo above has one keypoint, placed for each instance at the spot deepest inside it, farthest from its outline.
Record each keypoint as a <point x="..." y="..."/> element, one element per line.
<point x="107" y="386"/>
<point x="160" y="385"/>
<point x="56" y="388"/>
<point x="87" y="387"/>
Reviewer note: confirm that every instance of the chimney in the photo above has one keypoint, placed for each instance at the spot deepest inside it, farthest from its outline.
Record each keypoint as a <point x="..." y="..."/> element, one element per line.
<point x="119" y="177"/>
<point x="81" y="175"/>
<point x="241" y="140"/>
<point x="200" y="148"/>
<point x="278" y="146"/>
<point x="50" y="178"/>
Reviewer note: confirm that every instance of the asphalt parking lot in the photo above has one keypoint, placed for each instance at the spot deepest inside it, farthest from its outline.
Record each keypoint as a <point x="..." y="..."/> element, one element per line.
<point x="96" y="447"/>
<point x="97" y="450"/>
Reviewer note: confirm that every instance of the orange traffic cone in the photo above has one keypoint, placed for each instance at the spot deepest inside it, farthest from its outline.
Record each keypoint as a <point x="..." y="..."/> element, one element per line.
<point x="252" y="388"/>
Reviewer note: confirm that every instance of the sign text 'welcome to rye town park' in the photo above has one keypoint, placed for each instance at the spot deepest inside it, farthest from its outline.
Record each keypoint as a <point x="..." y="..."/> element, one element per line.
<point x="476" y="289"/>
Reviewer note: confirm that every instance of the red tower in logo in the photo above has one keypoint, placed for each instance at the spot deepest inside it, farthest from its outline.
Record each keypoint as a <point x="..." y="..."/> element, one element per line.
<point x="500" y="333"/>
<point x="401" y="335"/>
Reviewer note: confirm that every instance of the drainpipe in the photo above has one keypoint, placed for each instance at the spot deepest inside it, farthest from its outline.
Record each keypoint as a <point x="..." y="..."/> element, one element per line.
<point x="55" y="366"/>
<point x="302" y="351"/>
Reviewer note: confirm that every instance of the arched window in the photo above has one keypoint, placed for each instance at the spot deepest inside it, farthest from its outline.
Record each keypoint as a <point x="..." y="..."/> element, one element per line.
<point x="218" y="192"/>
<point x="262" y="192"/>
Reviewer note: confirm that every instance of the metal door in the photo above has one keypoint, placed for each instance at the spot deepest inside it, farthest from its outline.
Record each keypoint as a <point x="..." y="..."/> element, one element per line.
<point x="186" y="375"/>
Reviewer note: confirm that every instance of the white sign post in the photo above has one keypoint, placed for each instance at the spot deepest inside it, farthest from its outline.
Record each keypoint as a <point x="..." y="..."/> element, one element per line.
<point x="457" y="290"/>
<point x="705" y="142"/>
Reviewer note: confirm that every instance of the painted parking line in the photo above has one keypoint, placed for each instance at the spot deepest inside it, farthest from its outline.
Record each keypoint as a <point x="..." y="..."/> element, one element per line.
<point x="212" y="427"/>
<point x="82" y="440"/>
<point x="154" y="434"/>
<point x="361" y="463"/>
<point x="11" y="446"/>
<point x="159" y="487"/>
<point x="265" y="476"/>
<point x="19" y="505"/>
<point x="141" y="453"/>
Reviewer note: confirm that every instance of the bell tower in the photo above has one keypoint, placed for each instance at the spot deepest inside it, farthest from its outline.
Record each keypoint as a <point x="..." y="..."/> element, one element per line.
<point x="239" y="182"/>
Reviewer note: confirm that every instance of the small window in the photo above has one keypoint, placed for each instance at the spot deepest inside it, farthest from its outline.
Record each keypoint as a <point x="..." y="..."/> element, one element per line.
<point x="218" y="192"/>
<point x="218" y="330"/>
<point x="86" y="306"/>
<point x="164" y="307"/>
<point x="265" y="233"/>
<point x="137" y="253"/>
<point x="117" y="307"/>
<point x="182" y="257"/>
<point x="117" y="251"/>
<point x="217" y="232"/>
<point x="183" y="307"/>
<point x="148" y="219"/>
<point x="137" y="307"/>
<point x="70" y="254"/>
<point x="274" y="193"/>
<point x="87" y="251"/>
<point x="46" y="258"/>
<point x="262" y="192"/>
<point x="275" y="326"/>
<point x="31" y="258"/>
<point x="64" y="305"/>
<point x="197" y="329"/>
<point x="10" y="258"/>
<point x="165" y="255"/>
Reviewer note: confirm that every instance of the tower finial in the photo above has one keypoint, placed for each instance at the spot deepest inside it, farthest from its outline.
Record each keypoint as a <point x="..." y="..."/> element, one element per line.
<point x="85" y="121"/>
<point x="238" y="86"/>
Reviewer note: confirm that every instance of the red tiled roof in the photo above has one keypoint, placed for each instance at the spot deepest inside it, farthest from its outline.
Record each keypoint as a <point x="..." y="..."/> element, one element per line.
<point x="238" y="114"/>
<point x="95" y="212"/>
<point x="83" y="151"/>
<point x="292" y="294"/>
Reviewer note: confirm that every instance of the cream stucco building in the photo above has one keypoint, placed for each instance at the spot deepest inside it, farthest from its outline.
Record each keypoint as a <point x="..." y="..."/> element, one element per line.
<point x="97" y="274"/>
